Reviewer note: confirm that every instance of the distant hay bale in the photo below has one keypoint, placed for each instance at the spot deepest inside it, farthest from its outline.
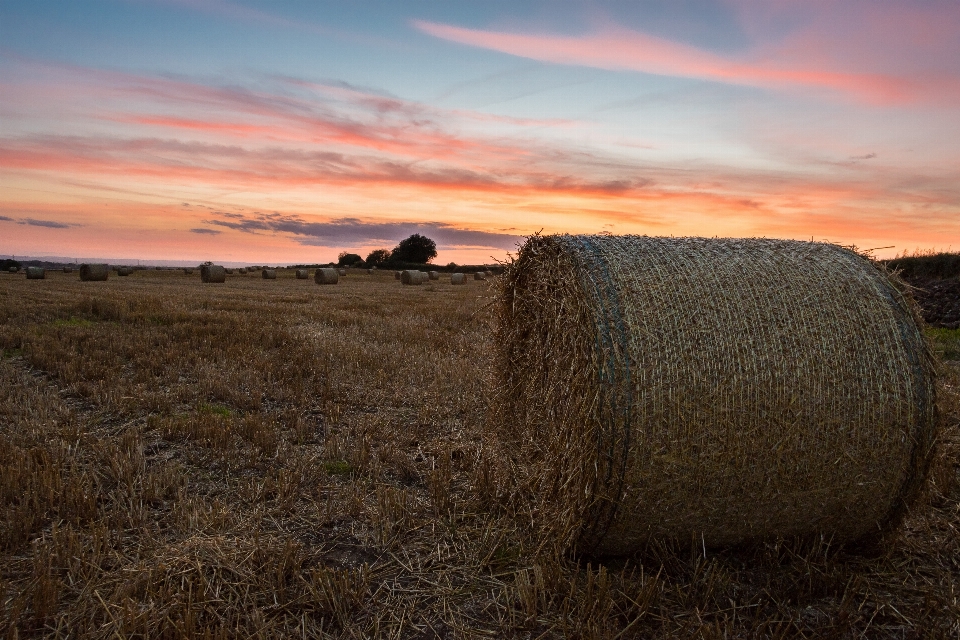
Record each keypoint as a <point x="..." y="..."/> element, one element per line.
<point x="326" y="276"/>
<point x="412" y="276"/>
<point x="229" y="272"/>
<point x="302" y="274"/>
<point x="342" y="272"/>
<point x="94" y="272"/>
<point x="370" y="270"/>
<point x="480" y="275"/>
<point x="396" y="274"/>
<point x="124" y="271"/>
<point x="188" y="271"/>
<point x="458" y="278"/>
<point x="68" y="269"/>
<point x="433" y="275"/>
<point x="213" y="273"/>
<point x="488" y="273"/>
<point x="723" y="390"/>
<point x="13" y="269"/>
<point x="36" y="273"/>
<point x="269" y="274"/>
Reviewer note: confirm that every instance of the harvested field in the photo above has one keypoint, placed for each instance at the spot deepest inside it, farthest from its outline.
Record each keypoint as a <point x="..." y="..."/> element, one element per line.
<point x="249" y="460"/>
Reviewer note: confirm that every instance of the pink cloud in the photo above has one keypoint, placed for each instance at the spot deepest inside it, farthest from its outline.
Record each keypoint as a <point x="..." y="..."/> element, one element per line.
<point x="620" y="49"/>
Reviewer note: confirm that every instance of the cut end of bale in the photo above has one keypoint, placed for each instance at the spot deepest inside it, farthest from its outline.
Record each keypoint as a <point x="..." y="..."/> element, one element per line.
<point x="458" y="278"/>
<point x="413" y="277"/>
<point x="94" y="272"/>
<point x="36" y="273"/>
<point x="213" y="273"/>
<point x="302" y="274"/>
<point x="269" y="274"/>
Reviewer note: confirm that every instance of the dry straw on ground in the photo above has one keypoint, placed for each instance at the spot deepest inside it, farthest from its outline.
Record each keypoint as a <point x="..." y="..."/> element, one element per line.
<point x="269" y="274"/>
<point x="213" y="273"/>
<point x="94" y="272"/>
<point x="326" y="276"/>
<point x="723" y="390"/>
<point x="36" y="273"/>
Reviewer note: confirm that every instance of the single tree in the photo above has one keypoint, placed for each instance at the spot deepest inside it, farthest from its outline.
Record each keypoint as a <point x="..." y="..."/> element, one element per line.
<point x="378" y="257"/>
<point x="416" y="248"/>
<point x="348" y="259"/>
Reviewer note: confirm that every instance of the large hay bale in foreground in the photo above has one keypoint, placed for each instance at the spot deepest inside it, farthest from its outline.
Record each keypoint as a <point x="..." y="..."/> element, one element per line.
<point x="269" y="274"/>
<point x="412" y="276"/>
<point x="458" y="278"/>
<point x="213" y="273"/>
<point x="722" y="390"/>
<point x="326" y="276"/>
<point x="36" y="273"/>
<point x="302" y="274"/>
<point x="94" y="272"/>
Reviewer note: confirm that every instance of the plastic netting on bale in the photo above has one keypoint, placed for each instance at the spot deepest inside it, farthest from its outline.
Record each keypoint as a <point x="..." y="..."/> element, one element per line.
<point x="723" y="390"/>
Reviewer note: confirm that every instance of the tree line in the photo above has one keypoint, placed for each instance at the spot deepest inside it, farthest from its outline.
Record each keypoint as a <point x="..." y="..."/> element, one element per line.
<point x="414" y="249"/>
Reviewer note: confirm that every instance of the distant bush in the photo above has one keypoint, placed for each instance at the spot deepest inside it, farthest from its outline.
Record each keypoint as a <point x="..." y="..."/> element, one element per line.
<point x="378" y="257"/>
<point x="416" y="248"/>
<point x="937" y="266"/>
<point x="348" y="259"/>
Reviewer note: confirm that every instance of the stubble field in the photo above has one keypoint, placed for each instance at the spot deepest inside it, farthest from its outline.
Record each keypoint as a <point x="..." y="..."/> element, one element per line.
<point x="281" y="459"/>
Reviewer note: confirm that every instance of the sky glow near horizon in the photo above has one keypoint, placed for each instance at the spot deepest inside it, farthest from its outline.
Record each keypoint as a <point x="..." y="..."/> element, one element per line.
<point x="286" y="132"/>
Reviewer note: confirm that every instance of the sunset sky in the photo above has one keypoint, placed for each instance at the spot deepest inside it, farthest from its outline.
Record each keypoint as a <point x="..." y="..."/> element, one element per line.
<point x="287" y="132"/>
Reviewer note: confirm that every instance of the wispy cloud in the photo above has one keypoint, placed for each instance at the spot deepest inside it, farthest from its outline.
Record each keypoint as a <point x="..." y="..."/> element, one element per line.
<point x="621" y="49"/>
<point x="204" y="231"/>
<point x="5" y="219"/>
<point x="50" y="224"/>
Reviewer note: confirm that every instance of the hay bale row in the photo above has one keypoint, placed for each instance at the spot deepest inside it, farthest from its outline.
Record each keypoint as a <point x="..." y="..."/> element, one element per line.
<point x="721" y="390"/>
<point x="94" y="272"/>
<point x="458" y="278"/>
<point x="213" y="273"/>
<point x="269" y="274"/>
<point x="326" y="276"/>
<point x="36" y="273"/>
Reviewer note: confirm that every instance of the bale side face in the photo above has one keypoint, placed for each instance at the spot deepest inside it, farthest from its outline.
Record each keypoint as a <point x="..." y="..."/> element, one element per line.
<point x="434" y="275"/>
<point x="326" y="276"/>
<point x="728" y="390"/>
<point x="213" y="273"/>
<point x="302" y="274"/>
<point x="458" y="278"/>
<point x="68" y="269"/>
<point x="412" y="277"/>
<point x="479" y="275"/>
<point x="94" y="272"/>
<point x="342" y="272"/>
<point x="124" y="271"/>
<point x="269" y="274"/>
<point x="36" y="273"/>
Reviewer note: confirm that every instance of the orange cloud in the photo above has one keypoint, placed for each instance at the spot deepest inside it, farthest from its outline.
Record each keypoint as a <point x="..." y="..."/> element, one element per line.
<point x="622" y="49"/>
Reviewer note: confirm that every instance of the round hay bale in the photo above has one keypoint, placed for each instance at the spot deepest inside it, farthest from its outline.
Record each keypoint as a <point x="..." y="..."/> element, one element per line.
<point x="396" y="274"/>
<point x="68" y="269"/>
<point x="13" y="269"/>
<point x="269" y="274"/>
<point x="124" y="271"/>
<point x="229" y="272"/>
<point x="36" y="273"/>
<point x="370" y="270"/>
<point x="458" y="278"/>
<point x="94" y="272"/>
<point x="480" y="275"/>
<point x="188" y="271"/>
<point x="213" y="273"/>
<point x="302" y="274"/>
<point x="342" y="272"/>
<point x="412" y="276"/>
<point x="433" y="275"/>
<point x="723" y="390"/>
<point x="326" y="276"/>
<point x="488" y="273"/>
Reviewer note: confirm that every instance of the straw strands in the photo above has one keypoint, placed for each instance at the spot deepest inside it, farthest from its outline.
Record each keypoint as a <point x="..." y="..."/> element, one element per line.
<point x="36" y="273"/>
<point x="213" y="273"/>
<point x="94" y="272"/>
<point x="269" y="274"/>
<point x="726" y="390"/>
<point x="326" y="276"/>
